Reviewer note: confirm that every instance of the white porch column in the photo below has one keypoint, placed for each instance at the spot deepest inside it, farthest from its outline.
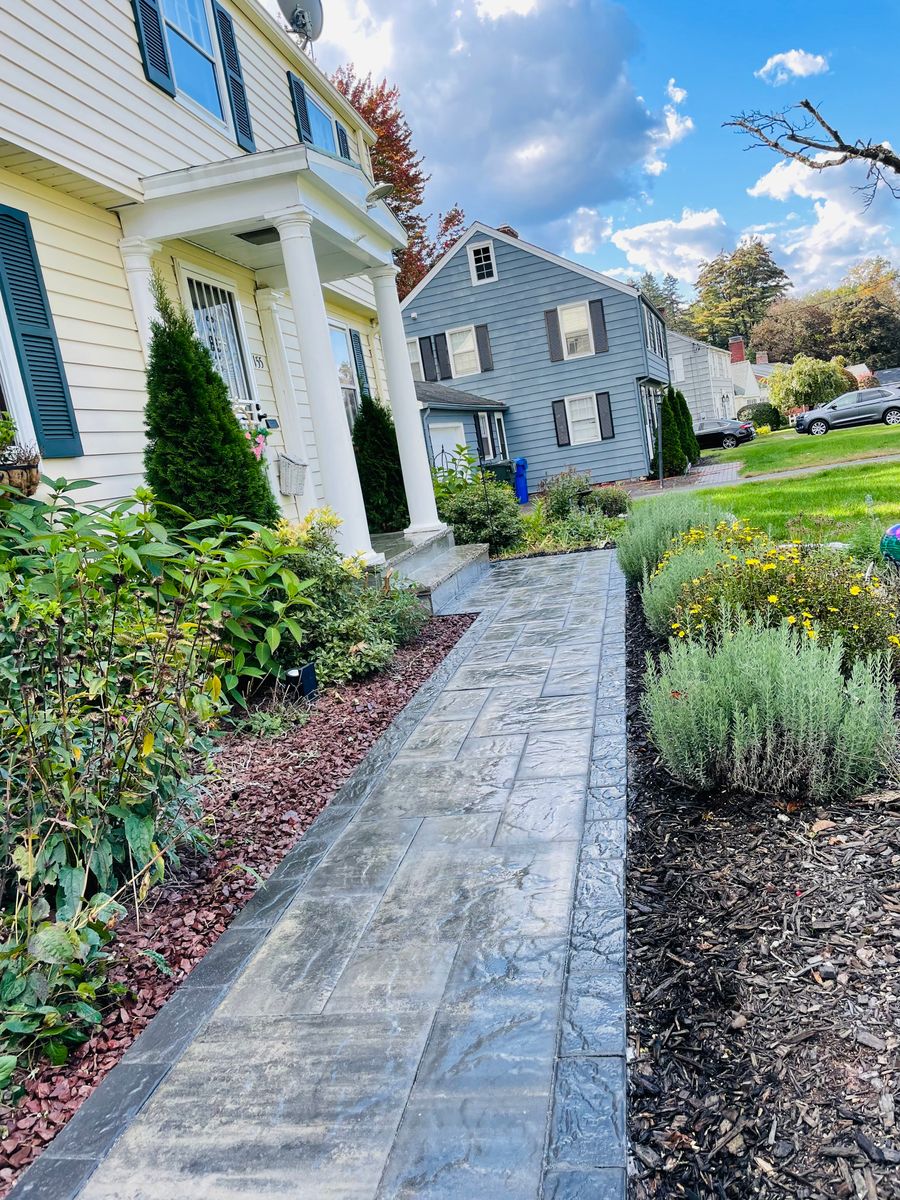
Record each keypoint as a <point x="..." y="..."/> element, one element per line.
<point x="337" y="462"/>
<point x="137" y="255"/>
<point x="423" y="517"/>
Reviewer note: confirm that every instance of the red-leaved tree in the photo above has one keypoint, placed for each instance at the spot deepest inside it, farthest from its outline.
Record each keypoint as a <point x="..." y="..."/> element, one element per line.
<point x="396" y="161"/>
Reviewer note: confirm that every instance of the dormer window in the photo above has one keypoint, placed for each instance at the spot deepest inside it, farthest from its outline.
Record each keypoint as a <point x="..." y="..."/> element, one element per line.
<point x="482" y="265"/>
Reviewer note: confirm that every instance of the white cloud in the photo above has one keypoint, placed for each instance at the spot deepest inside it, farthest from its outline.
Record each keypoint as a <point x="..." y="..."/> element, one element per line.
<point x="587" y="229"/>
<point x="817" y="247"/>
<point x="675" y="126"/>
<point x="791" y="64"/>
<point x="675" y="247"/>
<point x="500" y="8"/>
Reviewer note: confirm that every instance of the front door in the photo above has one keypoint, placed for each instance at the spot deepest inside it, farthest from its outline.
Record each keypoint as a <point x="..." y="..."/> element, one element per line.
<point x="445" y="437"/>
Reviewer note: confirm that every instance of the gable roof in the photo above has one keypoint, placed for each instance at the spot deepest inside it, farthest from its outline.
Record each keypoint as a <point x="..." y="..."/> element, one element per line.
<point x="438" y="395"/>
<point x="674" y="333"/>
<point x="479" y="228"/>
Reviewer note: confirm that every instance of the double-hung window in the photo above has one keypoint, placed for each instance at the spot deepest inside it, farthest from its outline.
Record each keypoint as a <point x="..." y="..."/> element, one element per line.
<point x="584" y="422"/>
<point x="343" y="361"/>
<point x="321" y="125"/>
<point x="502" y="448"/>
<point x="575" y="325"/>
<point x="191" y="50"/>
<point x="482" y="265"/>
<point x="216" y="319"/>
<point x="463" y="350"/>
<point x="415" y="359"/>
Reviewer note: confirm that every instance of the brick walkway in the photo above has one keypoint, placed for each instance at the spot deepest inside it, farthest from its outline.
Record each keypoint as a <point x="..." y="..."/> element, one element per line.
<point x="427" y="999"/>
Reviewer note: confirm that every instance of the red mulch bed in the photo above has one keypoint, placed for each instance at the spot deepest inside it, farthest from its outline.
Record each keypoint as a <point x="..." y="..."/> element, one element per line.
<point x="266" y="793"/>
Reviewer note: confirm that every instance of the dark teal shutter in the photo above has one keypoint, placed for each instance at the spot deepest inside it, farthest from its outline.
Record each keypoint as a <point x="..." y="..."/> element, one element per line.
<point x="561" y="423"/>
<point x="301" y="109"/>
<point x="483" y="342"/>
<point x="343" y="141"/>
<point x="443" y="356"/>
<point x="152" y="41"/>
<point x="554" y="339"/>
<point x="604" y="415"/>
<point x="360" y="359"/>
<point x="429" y="364"/>
<point x="598" y="327"/>
<point x="31" y="324"/>
<point x="234" y="77"/>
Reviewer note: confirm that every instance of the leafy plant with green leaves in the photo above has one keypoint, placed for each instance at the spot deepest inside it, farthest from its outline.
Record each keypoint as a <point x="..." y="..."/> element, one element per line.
<point x="454" y="475"/>
<point x="484" y="510"/>
<point x="653" y="523"/>
<point x="378" y="463"/>
<point x="7" y="434"/>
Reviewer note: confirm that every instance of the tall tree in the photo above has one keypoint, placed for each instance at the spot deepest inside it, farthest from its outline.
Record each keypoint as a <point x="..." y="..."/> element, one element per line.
<point x="735" y="290"/>
<point x="866" y="329"/>
<point x="802" y="134"/>
<point x="396" y="161"/>
<point x="665" y="294"/>
<point x="792" y="327"/>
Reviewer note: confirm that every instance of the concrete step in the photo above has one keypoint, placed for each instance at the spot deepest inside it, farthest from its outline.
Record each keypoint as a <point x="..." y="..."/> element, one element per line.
<point x="443" y="579"/>
<point x="407" y="556"/>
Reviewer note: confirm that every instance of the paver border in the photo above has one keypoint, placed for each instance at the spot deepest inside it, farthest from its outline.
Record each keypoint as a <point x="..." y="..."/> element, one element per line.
<point x="63" y="1169"/>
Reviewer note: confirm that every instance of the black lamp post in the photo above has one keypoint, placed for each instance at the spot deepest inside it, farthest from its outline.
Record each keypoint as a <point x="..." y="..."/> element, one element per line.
<point x="659" y="446"/>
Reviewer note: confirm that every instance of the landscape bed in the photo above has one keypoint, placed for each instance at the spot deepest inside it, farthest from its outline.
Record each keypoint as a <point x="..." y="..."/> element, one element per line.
<point x="764" y="985"/>
<point x="265" y="793"/>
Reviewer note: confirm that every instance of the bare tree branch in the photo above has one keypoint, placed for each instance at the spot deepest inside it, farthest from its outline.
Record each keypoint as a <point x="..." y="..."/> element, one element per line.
<point x="780" y="131"/>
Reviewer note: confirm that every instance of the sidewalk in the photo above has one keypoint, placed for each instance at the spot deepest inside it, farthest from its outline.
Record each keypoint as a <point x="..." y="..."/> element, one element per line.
<point x="427" y="999"/>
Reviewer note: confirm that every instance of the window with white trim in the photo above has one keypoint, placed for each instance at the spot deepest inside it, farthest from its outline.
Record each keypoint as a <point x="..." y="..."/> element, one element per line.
<point x="188" y="37"/>
<point x="346" y="371"/>
<point x="216" y="317"/>
<point x="463" y="350"/>
<point x="482" y="265"/>
<point x="502" y="448"/>
<point x="415" y="359"/>
<point x="487" y="438"/>
<point x="677" y="368"/>
<point x="583" y="418"/>
<point x="575" y="326"/>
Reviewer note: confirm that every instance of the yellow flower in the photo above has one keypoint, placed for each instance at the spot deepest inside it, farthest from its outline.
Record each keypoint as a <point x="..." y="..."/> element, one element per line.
<point x="894" y="640"/>
<point x="681" y="633"/>
<point x="792" y="620"/>
<point x="768" y="567"/>
<point x="830" y="609"/>
<point x="752" y="562"/>
<point x="811" y="633"/>
<point x="772" y="599"/>
<point x="854" y="591"/>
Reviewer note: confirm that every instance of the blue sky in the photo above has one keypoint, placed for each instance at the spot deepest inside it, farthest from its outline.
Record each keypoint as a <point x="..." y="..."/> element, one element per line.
<point x="595" y="128"/>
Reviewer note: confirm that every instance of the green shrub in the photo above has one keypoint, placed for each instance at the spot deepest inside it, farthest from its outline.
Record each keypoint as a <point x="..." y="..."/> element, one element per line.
<point x="762" y="414"/>
<point x="456" y="474"/>
<point x="564" y="493"/>
<point x="484" y="511"/>
<point x="821" y="594"/>
<point x="198" y="459"/>
<point x="765" y="711"/>
<point x="661" y="594"/>
<point x="378" y="463"/>
<point x="651" y="526"/>
<point x="689" y="443"/>
<point x="610" y="501"/>
<point x="675" y="459"/>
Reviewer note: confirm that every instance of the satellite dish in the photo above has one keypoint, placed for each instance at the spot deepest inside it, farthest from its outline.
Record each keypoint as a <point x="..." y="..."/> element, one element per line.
<point x="304" y="17"/>
<point x="380" y="191"/>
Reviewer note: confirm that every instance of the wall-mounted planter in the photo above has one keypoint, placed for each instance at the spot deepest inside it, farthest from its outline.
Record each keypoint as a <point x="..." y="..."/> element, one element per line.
<point x="25" y="477"/>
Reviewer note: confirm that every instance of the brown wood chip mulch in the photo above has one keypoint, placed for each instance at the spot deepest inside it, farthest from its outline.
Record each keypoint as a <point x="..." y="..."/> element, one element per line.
<point x="266" y="793"/>
<point x="764" y="987"/>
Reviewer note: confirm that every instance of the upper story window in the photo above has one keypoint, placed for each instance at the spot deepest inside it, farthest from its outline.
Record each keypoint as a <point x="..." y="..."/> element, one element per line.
<point x="482" y="265"/>
<point x="575" y="324"/>
<point x="316" y="125"/>
<point x="654" y="333"/>
<point x="191" y="50"/>
<point x="415" y="359"/>
<point x="463" y="351"/>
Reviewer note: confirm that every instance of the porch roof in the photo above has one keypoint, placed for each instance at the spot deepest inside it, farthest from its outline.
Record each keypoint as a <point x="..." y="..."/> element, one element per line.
<point x="227" y="207"/>
<point x="438" y="395"/>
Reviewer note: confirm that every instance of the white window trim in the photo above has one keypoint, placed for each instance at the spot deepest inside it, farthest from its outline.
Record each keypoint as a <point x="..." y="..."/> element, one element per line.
<point x="454" y="374"/>
<point x="224" y="123"/>
<point x="335" y="155"/>
<point x="12" y="385"/>
<point x="471" y="248"/>
<point x="677" y="363"/>
<point x="413" y="361"/>
<point x="345" y="329"/>
<point x="502" y="443"/>
<point x="184" y="269"/>
<point x="562" y="333"/>
<point x="583" y="396"/>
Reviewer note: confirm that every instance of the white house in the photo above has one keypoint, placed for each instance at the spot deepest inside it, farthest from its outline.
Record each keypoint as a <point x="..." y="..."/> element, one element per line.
<point x="702" y="373"/>
<point x="195" y="137"/>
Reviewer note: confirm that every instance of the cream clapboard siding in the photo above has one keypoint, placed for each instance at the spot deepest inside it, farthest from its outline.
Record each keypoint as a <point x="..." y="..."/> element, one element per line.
<point x="78" y="248"/>
<point x="75" y="94"/>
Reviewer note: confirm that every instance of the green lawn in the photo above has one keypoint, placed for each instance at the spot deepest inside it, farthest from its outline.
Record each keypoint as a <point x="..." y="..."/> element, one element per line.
<point x="786" y="449"/>
<point x="826" y="506"/>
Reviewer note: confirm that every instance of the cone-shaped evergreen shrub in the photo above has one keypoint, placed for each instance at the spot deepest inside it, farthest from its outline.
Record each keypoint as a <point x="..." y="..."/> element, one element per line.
<point x="674" y="457"/>
<point x="689" y="443"/>
<point x="378" y="463"/>
<point x="197" y="455"/>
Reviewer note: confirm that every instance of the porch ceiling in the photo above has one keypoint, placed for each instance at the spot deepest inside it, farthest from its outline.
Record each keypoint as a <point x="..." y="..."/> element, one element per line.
<point x="227" y="208"/>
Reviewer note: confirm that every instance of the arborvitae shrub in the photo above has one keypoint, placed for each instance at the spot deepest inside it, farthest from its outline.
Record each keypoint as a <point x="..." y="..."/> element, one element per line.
<point x="689" y="443"/>
<point x="674" y="457"/>
<point x="197" y="455"/>
<point x="378" y="463"/>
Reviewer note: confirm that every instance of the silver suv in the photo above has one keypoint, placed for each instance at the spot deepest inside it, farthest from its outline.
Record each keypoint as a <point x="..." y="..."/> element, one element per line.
<point x="866" y="407"/>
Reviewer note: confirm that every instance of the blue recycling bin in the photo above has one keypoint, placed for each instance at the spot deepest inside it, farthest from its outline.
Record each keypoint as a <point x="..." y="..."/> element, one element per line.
<point x="521" y="484"/>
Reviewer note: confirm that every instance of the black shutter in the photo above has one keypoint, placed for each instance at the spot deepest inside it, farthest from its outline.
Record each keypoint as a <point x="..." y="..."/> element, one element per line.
<point x="301" y="108"/>
<point x="604" y="415"/>
<point x="31" y="325"/>
<point x="483" y="342"/>
<point x="443" y="356"/>
<point x="429" y="365"/>
<point x="561" y="421"/>
<point x="598" y="327"/>
<point x="360" y="360"/>
<point x="554" y="339"/>
<point x="482" y="452"/>
<point x="234" y="77"/>
<point x="152" y="41"/>
<point x="343" y="141"/>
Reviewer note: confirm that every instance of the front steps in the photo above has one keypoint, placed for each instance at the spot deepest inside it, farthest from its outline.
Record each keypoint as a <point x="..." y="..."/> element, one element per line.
<point x="440" y="569"/>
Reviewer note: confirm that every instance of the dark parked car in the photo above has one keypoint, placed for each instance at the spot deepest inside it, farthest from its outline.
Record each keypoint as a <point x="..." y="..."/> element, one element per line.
<point x="723" y="432"/>
<point x="866" y="407"/>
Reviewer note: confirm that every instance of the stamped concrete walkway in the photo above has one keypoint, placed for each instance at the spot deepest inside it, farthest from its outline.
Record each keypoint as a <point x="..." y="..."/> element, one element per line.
<point x="427" y="999"/>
